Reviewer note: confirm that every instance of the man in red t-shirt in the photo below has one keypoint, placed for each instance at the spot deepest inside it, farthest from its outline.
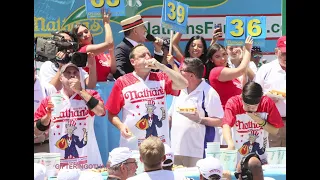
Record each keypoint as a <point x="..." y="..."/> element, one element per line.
<point x="253" y="117"/>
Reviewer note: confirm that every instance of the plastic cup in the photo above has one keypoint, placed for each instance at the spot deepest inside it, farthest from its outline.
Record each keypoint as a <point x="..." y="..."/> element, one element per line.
<point x="282" y="155"/>
<point x="273" y="154"/>
<point x="38" y="157"/>
<point x="228" y="159"/>
<point x="51" y="162"/>
<point x="213" y="147"/>
<point x="57" y="101"/>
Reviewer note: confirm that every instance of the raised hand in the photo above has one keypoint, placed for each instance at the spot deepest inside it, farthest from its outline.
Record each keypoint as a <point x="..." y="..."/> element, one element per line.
<point x="105" y="16"/>
<point x="249" y="43"/>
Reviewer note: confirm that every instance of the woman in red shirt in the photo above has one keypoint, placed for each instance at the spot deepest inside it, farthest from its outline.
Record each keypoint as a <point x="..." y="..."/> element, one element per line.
<point x="222" y="78"/>
<point x="105" y="63"/>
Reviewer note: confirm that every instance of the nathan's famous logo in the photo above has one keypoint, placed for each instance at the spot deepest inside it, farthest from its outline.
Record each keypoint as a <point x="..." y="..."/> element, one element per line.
<point x="43" y="28"/>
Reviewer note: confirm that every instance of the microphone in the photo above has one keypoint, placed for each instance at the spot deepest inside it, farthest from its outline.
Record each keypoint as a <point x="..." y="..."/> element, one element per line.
<point x="164" y="42"/>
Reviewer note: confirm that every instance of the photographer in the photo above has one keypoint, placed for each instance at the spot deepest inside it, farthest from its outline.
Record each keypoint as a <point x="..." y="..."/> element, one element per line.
<point x="105" y="63"/>
<point x="50" y="70"/>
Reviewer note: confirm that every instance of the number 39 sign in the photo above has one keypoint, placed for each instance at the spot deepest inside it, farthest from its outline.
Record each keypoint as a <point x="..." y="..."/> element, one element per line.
<point x="93" y="7"/>
<point x="238" y="28"/>
<point x="175" y="16"/>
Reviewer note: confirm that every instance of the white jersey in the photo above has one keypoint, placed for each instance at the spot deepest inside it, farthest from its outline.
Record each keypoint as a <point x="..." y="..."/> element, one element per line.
<point x="187" y="136"/>
<point x="71" y="133"/>
<point x="143" y="104"/>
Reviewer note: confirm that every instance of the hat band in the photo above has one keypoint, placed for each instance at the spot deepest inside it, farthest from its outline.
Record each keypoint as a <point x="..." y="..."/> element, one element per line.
<point x="125" y="27"/>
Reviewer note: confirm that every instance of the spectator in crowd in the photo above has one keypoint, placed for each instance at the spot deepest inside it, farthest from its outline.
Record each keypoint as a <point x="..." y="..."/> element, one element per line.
<point x="196" y="47"/>
<point x="71" y="130"/>
<point x="105" y="63"/>
<point x="122" y="164"/>
<point x="253" y="117"/>
<point x="250" y="168"/>
<point x="168" y="59"/>
<point x="142" y="96"/>
<point x="167" y="164"/>
<point x="68" y="174"/>
<point x="211" y="169"/>
<point x="272" y="76"/>
<point x="223" y="78"/>
<point x="152" y="154"/>
<point x="256" y="55"/>
<point x="50" y="70"/>
<point x="41" y="141"/>
<point x="134" y="33"/>
<point x="39" y="171"/>
<point x="188" y="130"/>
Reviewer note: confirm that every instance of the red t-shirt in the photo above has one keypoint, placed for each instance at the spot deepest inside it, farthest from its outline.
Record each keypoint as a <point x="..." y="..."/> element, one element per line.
<point x="225" y="89"/>
<point x="234" y="107"/>
<point x="247" y="135"/>
<point x="102" y="64"/>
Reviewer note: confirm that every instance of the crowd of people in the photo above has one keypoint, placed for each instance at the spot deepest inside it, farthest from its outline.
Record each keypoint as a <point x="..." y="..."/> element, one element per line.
<point x="221" y="94"/>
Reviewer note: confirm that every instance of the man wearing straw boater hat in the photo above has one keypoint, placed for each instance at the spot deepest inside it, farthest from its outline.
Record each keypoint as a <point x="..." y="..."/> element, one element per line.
<point x="134" y="33"/>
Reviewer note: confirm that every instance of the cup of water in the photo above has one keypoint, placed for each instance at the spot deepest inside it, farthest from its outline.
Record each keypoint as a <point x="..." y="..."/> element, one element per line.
<point x="228" y="159"/>
<point x="273" y="155"/>
<point x="57" y="101"/>
<point x="213" y="147"/>
<point x="282" y="155"/>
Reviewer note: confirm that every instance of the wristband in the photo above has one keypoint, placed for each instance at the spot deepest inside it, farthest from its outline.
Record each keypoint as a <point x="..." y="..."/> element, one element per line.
<point x="263" y="124"/>
<point x="93" y="102"/>
<point x="199" y="121"/>
<point x="42" y="127"/>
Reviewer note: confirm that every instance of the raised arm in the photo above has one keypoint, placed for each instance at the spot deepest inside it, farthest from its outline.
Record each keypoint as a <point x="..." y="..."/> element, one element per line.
<point x="108" y="43"/>
<point x="175" y="45"/>
<point x="228" y="74"/>
<point x="215" y="36"/>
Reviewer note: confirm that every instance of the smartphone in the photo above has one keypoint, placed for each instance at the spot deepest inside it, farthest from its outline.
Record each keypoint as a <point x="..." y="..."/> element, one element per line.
<point x="219" y="26"/>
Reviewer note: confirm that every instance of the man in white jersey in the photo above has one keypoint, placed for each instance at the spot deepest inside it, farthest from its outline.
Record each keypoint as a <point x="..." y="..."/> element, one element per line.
<point x="252" y="116"/>
<point x="71" y="129"/>
<point x="188" y="130"/>
<point x="272" y="76"/>
<point x="41" y="90"/>
<point x="142" y="97"/>
<point x="152" y="154"/>
<point x="50" y="70"/>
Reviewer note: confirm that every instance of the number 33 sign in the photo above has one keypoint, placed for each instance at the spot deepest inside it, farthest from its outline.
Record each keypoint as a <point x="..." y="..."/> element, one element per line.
<point x="93" y="8"/>
<point x="238" y="28"/>
<point x="175" y="16"/>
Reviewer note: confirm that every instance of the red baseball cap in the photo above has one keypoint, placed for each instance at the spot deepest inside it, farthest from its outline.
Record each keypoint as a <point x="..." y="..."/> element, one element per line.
<point x="281" y="44"/>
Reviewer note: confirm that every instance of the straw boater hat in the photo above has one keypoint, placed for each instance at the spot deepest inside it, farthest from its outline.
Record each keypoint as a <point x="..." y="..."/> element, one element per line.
<point x="131" y="23"/>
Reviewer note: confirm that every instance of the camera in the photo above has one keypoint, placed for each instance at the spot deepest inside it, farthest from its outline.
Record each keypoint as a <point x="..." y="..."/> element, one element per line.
<point x="47" y="48"/>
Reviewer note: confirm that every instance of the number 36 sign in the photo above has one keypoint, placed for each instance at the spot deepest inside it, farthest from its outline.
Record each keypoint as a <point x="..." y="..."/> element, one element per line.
<point x="239" y="27"/>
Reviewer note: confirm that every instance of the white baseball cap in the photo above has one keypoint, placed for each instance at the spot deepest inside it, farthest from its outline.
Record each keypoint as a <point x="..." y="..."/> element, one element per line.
<point x="68" y="174"/>
<point x="39" y="171"/>
<point x="118" y="155"/>
<point x="209" y="166"/>
<point x="169" y="155"/>
<point x="90" y="175"/>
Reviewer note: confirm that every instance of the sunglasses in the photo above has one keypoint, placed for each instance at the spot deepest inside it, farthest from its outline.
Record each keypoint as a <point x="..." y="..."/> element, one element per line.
<point x="257" y="56"/>
<point x="131" y="162"/>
